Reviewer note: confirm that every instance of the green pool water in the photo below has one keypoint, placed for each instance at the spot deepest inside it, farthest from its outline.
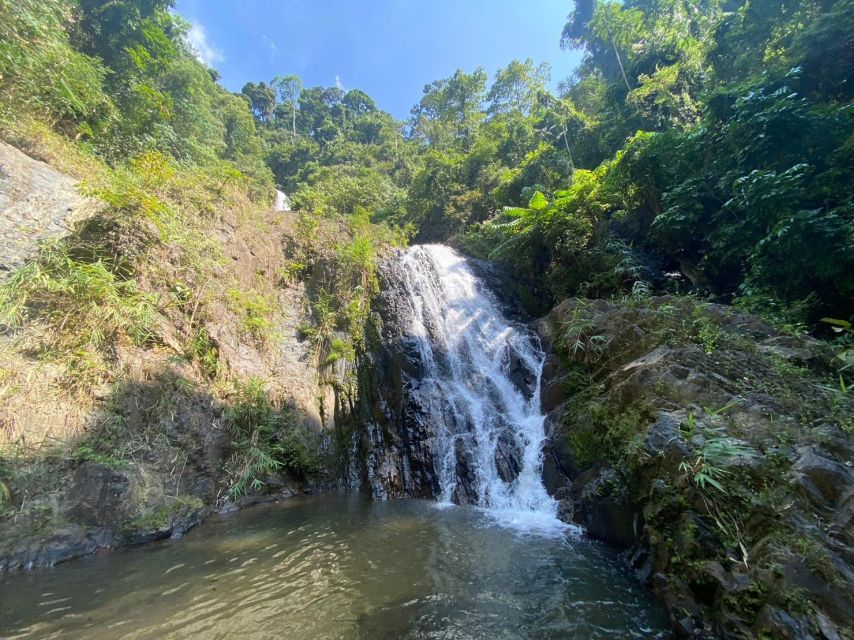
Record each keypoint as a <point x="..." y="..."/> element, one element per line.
<point x="339" y="567"/>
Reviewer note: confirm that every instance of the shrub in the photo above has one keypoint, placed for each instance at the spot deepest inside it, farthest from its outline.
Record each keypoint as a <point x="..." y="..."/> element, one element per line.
<point x="254" y="309"/>
<point x="84" y="304"/>
<point x="266" y="439"/>
<point x="39" y="69"/>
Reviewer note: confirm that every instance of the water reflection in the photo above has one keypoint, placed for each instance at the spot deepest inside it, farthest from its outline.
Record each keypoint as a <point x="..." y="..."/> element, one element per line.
<point x="337" y="567"/>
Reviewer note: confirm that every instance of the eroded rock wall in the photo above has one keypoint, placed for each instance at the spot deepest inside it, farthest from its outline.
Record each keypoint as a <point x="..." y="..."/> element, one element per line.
<point x="391" y="455"/>
<point x="429" y="402"/>
<point x="146" y="450"/>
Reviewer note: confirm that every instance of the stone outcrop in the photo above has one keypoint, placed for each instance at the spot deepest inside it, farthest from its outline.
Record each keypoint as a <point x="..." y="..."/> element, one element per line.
<point x="717" y="452"/>
<point x="36" y="203"/>
<point x="100" y="495"/>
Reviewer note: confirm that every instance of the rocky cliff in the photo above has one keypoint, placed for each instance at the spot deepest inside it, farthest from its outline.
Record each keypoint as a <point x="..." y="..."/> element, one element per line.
<point x="391" y="454"/>
<point x="716" y="451"/>
<point x="445" y="384"/>
<point x="131" y="440"/>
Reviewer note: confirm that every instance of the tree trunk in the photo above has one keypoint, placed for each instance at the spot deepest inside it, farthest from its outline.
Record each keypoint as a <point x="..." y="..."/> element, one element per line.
<point x="569" y="153"/>
<point x="620" y="62"/>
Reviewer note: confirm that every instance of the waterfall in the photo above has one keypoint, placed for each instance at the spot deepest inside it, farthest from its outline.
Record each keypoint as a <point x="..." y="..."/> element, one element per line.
<point x="480" y="388"/>
<point x="282" y="203"/>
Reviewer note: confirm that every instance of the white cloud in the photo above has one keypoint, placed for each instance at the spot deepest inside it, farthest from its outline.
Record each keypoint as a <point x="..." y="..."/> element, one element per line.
<point x="338" y="82"/>
<point x="271" y="46"/>
<point x="206" y="52"/>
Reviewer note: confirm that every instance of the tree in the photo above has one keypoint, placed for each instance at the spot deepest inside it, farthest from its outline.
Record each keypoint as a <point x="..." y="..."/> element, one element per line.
<point x="40" y="71"/>
<point x="516" y="87"/>
<point x="558" y="120"/>
<point x="358" y="103"/>
<point x="319" y="113"/>
<point x="240" y="135"/>
<point x="289" y="89"/>
<point x="450" y="109"/>
<point x="262" y="99"/>
<point x="291" y="160"/>
<point x="109" y="30"/>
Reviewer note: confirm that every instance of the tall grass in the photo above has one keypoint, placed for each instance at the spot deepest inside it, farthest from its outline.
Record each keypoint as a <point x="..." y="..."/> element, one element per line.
<point x="82" y="304"/>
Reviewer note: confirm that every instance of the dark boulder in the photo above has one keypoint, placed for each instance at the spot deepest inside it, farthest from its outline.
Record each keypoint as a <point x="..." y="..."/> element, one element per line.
<point x="100" y="496"/>
<point x="823" y="479"/>
<point x="773" y="622"/>
<point x="63" y="544"/>
<point x="519" y="374"/>
<point x="554" y="393"/>
<point x="604" y="507"/>
<point x="507" y="456"/>
<point x="465" y="489"/>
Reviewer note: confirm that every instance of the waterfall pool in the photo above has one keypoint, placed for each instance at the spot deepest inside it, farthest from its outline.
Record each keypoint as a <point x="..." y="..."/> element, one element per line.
<point x="330" y="567"/>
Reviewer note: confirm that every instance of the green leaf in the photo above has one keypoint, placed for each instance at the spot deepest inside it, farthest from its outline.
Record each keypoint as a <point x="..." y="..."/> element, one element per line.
<point x="701" y="479"/>
<point x="538" y="202"/>
<point x="846" y="326"/>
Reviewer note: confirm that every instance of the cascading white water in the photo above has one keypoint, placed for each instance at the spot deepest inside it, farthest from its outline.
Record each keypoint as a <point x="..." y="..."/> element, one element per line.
<point x="469" y="351"/>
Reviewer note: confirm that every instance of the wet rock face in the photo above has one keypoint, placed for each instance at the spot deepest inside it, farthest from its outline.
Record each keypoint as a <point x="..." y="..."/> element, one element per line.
<point x="464" y="491"/>
<point x="392" y="453"/>
<point x="503" y="285"/>
<point x="827" y="482"/>
<point x="520" y="375"/>
<point x="507" y="456"/>
<point x="604" y="507"/>
<point x="64" y="544"/>
<point x="395" y="445"/>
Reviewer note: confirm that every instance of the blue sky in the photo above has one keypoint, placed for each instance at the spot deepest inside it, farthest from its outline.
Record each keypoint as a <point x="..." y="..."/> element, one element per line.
<point x="388" y="48"/>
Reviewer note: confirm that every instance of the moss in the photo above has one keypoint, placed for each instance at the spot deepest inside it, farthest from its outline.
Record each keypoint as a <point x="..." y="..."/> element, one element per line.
<point x="815" y="557"/>
<point x="705" y="331"/>
<point x="794" y="599"/>
<point x="85" y="453"/>
<point x="162" y="516"/>
<point x="596" y="431"/>
<point x="576" y="379"/>
<point x="751" y="519"/>
<point x="747" y="603"/>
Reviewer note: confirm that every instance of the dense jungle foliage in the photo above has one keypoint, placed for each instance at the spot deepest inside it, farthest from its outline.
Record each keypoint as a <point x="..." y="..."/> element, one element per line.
<point x="700" y="146"/>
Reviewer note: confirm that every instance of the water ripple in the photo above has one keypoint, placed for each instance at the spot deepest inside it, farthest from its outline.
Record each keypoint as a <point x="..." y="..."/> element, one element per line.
<point x="338" y="568"/>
